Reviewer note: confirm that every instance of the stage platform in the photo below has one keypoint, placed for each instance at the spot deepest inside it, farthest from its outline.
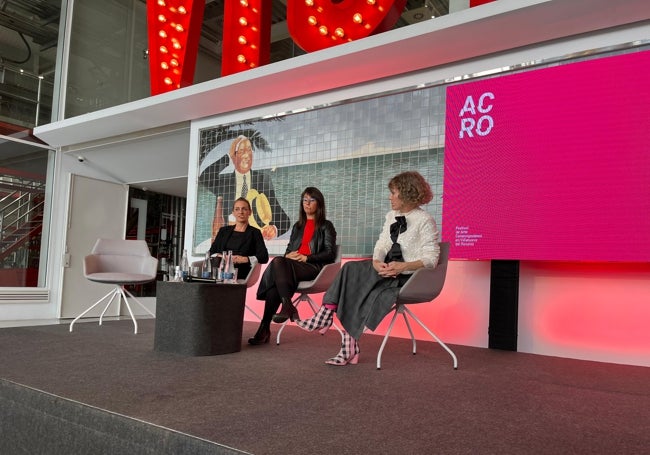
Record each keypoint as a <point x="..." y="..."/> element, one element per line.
<point x="103" y="389"/>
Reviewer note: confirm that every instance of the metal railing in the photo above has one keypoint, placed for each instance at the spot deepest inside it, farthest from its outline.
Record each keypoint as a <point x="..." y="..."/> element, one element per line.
<point x="21" y="216"/>
<point x="26" y="98"/>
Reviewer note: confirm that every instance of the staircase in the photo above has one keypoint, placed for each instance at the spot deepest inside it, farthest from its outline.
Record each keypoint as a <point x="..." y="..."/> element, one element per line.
<point x="22" y="199"/>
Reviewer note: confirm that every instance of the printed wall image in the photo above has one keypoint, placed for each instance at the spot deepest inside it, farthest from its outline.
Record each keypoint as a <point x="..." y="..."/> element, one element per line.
<point x="254" y="185"/>
<point x="348" y="151"/>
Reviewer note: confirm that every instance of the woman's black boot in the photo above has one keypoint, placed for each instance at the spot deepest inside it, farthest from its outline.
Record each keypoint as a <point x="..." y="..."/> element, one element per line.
<point x="262" y="336"/>
<point x="288" y="311"/>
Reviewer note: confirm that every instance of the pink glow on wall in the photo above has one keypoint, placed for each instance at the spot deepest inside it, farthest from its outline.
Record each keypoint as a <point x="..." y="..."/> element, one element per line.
<point x="459" y="315"/>
<point x="586" y="311"/>
<point x="551" y="164"/>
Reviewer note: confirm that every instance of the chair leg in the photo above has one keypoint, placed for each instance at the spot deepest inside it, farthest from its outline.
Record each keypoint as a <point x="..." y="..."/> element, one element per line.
<point x="408" y="326"/>
<point x="295" y="303"/>
<point x="128" y="307"/>
<point x="125" y="291"/>
<point x="415" y="318"/>
<point x="383" y="343"/>
<point x="112" y="293"/>
<point x="254" y="313"/>
<point x="116" y="293"/>
<point x="139" y="302"/>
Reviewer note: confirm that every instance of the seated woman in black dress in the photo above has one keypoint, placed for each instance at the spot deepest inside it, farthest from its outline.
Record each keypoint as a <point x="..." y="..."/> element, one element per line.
<point x="245" y="241"/>
<point x="312" y="245"/>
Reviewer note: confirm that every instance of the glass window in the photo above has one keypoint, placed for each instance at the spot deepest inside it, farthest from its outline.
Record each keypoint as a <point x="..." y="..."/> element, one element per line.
<point x="24" y="209"/>
<point x="107" y="61"/>
<point x="29" y="34"/>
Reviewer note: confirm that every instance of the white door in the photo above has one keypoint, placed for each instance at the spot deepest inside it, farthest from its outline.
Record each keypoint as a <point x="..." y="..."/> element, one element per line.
<point x="97" y="209"/>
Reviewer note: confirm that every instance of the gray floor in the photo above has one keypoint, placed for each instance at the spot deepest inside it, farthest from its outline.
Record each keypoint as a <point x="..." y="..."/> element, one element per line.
<point x="285" y="400"/>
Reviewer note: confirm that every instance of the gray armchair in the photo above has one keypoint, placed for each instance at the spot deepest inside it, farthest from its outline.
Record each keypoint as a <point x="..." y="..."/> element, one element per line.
<point x="250" y="280"/>
<point x="119" y="262"/>
<point x="423" y="286"/>
<point x="319" y="284"/>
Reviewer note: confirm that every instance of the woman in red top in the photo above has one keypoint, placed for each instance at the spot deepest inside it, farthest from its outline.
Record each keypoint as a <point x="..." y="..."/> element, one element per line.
<point x="312" y="245"/>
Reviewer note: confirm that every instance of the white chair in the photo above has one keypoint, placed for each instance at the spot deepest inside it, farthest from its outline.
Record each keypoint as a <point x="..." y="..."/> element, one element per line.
<point x="319" y="284"/>
<point x="119" y="262"/>
<point x="250" y="280"/>
<point x="423" y="286"/>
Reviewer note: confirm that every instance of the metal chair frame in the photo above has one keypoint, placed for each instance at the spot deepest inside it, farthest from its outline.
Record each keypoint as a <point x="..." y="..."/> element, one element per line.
<point x="423" y="287"/>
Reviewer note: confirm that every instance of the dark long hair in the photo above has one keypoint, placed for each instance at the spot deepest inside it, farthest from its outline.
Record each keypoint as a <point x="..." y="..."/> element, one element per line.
<point x="320" y="211"/>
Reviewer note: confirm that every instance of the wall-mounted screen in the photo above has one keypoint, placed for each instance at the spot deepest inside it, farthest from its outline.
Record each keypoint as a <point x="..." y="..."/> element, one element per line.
<point x="551" y="164"/>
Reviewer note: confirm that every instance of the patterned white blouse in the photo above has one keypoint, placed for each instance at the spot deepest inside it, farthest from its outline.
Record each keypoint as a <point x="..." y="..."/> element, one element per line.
<point x="418" y="242"/>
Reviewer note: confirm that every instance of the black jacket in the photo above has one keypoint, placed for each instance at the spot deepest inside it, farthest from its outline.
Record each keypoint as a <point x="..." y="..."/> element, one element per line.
<point x="322" y="244"/>
<point x="252" y="245"/>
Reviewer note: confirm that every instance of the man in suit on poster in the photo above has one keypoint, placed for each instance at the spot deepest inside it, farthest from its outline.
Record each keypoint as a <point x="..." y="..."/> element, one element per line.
<point x="255" y="186"/>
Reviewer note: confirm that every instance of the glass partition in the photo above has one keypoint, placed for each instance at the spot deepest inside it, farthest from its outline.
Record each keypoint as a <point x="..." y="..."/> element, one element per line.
<point x="108" y="63"/>
<point x="24" y="211"/>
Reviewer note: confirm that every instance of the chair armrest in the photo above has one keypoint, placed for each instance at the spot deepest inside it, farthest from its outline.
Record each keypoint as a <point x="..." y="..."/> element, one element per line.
<point x="91" y="264"/>
<point x="150" y="266"/>
<point x="253" y="275"/>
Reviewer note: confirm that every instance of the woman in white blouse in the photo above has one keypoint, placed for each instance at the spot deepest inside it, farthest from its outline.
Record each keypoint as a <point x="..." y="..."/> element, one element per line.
<point x="364" y="291"/>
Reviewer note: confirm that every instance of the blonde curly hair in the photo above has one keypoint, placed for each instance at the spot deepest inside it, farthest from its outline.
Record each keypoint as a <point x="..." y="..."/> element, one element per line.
<point x="412" y="187"/>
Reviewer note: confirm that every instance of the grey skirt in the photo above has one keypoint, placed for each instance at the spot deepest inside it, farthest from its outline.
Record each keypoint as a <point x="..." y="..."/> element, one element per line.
<point x="363" y="297"/>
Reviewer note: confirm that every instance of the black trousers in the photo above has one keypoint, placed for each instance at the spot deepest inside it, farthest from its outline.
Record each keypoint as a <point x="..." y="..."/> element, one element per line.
<point x="280" y="280"/>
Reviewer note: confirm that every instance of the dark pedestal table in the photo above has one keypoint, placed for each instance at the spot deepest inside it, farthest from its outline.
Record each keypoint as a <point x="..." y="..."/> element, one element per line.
<point x="199" y="318"/>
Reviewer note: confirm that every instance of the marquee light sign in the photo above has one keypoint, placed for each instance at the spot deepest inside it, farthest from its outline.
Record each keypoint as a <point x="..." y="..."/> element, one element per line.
<point x="174" y="30"/>
<point x="246" y="35"/>
<point x="319" y="24"/>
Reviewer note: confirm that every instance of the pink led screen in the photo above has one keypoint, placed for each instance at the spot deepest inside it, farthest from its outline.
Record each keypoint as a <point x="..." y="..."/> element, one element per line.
<point x="551" y="164"/>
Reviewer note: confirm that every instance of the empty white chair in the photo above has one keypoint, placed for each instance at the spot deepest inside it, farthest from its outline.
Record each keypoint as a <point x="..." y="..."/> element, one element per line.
<point x="423" y="286"/>
<point x="119" y="262"/>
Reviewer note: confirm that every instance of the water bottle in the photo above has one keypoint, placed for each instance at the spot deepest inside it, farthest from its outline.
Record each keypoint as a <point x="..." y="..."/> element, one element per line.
<point x="206" y="271"/>
<point x="222" y="266"/>
<point x="229" y="269"/>
<point x="185" y="266"/>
